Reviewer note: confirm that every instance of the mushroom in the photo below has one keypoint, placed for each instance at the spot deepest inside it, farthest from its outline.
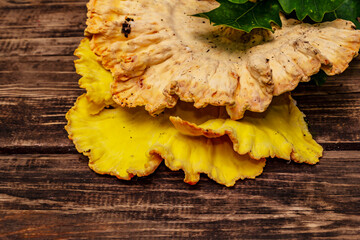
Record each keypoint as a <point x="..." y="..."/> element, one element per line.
<point x="128" y="142"/>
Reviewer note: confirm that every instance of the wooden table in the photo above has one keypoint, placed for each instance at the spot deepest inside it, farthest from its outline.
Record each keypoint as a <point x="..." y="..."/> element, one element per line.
<point x="47" y="190"/>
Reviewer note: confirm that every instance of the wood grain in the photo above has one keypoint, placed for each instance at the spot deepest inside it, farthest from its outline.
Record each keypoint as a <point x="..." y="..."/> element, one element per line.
<point x="57" y="195"/>
<point x="47" y="191"/>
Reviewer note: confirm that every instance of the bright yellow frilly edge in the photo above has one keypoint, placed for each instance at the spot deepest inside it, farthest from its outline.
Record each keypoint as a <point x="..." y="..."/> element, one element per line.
<point x="128" y="142"/>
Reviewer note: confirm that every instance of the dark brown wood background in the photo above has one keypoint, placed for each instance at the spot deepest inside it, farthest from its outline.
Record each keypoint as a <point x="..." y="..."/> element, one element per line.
<point x="47" y="190"/>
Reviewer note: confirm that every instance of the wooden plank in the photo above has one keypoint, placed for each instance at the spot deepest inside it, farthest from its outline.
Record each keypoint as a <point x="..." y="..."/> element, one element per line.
<point x="39" y="47"/>
<point x="39" y="64"/>
<point x="37" y="15"/>
<point x="47" y="196"/>
<point x="42" y="21"/>
<point x="32" y="3"/>
<point x="34" y="28"/>
<point x="34" y="124"/>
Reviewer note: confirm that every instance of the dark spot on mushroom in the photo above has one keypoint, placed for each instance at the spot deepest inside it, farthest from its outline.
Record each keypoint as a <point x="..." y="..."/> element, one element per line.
<point x="126" y="27"/>
<point x="141" y="84"/>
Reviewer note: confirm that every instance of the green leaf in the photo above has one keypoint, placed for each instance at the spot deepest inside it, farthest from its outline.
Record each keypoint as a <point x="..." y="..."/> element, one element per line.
<point x="319" y="79"/>
<point x="315" y="9"/>
<point x="246" y="16"/>
<point x="349" y="10"/>
<point x="238" y="1"/>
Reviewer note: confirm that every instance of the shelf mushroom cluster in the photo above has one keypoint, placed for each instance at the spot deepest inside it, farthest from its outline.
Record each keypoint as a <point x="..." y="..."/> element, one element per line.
<point x="164" y="85"/>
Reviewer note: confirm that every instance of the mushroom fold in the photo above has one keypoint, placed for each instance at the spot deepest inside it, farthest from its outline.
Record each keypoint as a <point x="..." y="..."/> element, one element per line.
<point x="95" y="79"/>
<point x="278" y="132"/>
<point x="158" y="53"/>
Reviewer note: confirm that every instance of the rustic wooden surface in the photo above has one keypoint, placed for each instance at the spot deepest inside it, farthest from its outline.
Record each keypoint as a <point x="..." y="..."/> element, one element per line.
<point x="47" y="191"/>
